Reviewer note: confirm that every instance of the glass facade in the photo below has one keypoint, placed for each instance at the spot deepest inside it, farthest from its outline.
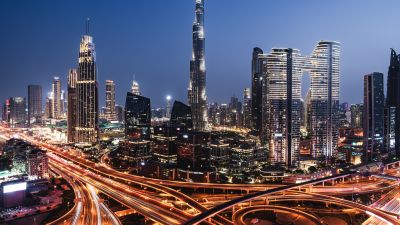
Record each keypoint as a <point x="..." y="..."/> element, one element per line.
<point x="257" y="76"/>
<point x="34" y="104"/>
<point x="137" y="117"/>
<point x="283" y="105"/>
<point x="323" y="66"/>
<point x="181" y="115"/>
<point x="87" y="117"/>
<point x="197" y="97"/>
<point x="373" y="123"/>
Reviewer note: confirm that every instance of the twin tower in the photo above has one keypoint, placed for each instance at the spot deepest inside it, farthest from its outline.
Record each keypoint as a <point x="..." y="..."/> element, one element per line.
<point x="277" y="104"/>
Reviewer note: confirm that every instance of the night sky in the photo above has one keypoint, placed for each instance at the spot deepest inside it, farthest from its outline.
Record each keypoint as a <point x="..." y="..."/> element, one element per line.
<point x="151" y="39"/>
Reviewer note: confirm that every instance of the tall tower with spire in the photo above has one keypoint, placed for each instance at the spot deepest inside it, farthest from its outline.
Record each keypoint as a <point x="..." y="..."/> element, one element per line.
<point x="87" y="117"/>
<point x="197" y="98"/>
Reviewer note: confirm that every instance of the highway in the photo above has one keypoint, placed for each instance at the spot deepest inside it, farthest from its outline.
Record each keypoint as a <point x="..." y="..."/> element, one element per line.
<point x="87" y="209"/>
<point x="222" y="207"/>
<point x="151" y="207"/>
<point x="239" y="215"/>
<point x="159" y="201"/>
<point x="107" y="172"/>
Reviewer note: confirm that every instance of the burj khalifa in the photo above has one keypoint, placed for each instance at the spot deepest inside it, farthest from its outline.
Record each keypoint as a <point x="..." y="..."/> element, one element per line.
<point x="197" y="98"/>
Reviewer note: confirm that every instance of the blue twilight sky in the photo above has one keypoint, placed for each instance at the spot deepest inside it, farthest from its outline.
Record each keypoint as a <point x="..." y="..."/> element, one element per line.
<point x="152" y="39"/>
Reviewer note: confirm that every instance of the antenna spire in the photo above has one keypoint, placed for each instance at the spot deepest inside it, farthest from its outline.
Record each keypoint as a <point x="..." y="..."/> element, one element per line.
<point x="87" y="25"/>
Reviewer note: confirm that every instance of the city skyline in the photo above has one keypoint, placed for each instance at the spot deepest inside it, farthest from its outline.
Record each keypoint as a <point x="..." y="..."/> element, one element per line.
<point x="65" y="30"/>
<point x="253" y="127"/>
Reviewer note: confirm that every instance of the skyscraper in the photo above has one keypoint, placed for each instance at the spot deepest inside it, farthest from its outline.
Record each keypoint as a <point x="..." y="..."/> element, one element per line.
<point x="181" y="116"/>
<point x="56" y="102"/>
<point x="17" y="112"/>
<point x="324" y="71"/>
<point x="110" y="100"/>
<point x="393" y="101"/>
<point x="282" y="117"/>
<point x="34" y="104"/>
<point x="197" y="97"/>
<point x="135" y="89"/>
<point x="356" y="111"/>
<point x="87" y="127"/>
<point x="6" y="111"/>
<point x="257" y="76"/>
<point x="373" y="116"/>
<point x="247" y="108"/>
<point x="169" y="106"/>
<point x="71" y="111"/>
<point x="137" y="117"/>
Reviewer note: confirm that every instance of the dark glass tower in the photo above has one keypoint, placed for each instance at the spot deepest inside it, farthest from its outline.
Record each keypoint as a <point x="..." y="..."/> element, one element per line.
<point x="17" y="112"/>
<point x="181" y="115"/>
<point x="257" y="63"/>
<point x="373" y="116"/>
<point x="197" y="87"/>
<point x="137" y="117"/>
<point x="393" y="103"/>
<point x="87" y="117"/>
<point x="34" y="104"/>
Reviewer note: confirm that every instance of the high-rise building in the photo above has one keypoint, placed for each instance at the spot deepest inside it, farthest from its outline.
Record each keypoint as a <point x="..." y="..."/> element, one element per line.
<point x="393" y="100"/>
<point x="235" y="112"/>
<point x="137" y="117"/>
<point x="247" y="108"/>
<point x="356" y="111"/>
<point x="119" y="112"/>
<point x="212" y="114"/>
<point x="136" y="147"/>
<point x="373" y="116"/>
<point x="135" y="88"/>
<point x="34" y="104"/>
<point x="197" y="97"/>
<point x="87" y="115"/>
<point x="110" y="100"/>
<point x="181" y="116"/>
<point x="72" y="104"/>
<point x="257" y="79"/>
<point x="63" y="104"/>
<point x="6" y="111"/>
<point x="48" y="109"/>
<point x="56" y="101"/>
<point x="324" y="71"/>
<point x="17" y="112"/>
<point x="168" y="108"/>
<point x="282" y="117"/>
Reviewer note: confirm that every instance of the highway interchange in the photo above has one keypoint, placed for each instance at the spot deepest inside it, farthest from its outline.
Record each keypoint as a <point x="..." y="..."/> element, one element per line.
<point x="162" y="201"/>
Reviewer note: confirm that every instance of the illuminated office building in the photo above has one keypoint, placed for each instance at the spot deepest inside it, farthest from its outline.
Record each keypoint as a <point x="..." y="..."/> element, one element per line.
<point x="247" y="108"/>
<point x="323" y="66"/>
<point x="56" y="100"/>
<point x="110" y="100"/>
<point x="72" y="104"/>
<point x="283" y="104"/>
<point x="87" y="115"/>
<point x="135" y="88"/>
<point x="197" y="97"/>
